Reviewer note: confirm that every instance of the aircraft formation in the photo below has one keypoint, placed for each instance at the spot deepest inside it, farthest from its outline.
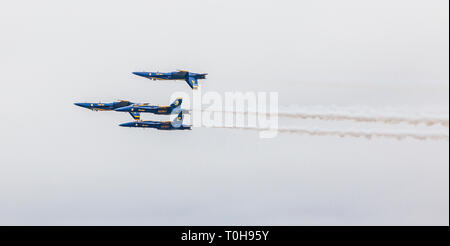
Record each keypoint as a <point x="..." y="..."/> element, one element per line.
<point x="135" y="109"/>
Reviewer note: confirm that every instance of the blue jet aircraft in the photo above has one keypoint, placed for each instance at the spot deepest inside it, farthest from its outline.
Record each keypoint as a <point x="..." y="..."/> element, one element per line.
<point x="190" y="78"/>
<point x="174" y="108"/>
<point x="176" y="124"/>
<point x="109" y="107"/>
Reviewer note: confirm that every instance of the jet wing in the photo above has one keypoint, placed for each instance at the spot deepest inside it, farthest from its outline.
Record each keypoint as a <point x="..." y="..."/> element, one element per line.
<point x="192" y="82"/>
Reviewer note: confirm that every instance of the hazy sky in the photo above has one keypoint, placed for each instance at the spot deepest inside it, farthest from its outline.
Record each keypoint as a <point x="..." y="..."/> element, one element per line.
<point x="64" y="165"/>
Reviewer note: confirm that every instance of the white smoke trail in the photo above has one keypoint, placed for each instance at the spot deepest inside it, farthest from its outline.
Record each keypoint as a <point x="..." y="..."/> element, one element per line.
<point x="340" y="115"/>
<point x="379" y="119"/>
<point x="387" y="115"/>
<point x="351" y="133"/>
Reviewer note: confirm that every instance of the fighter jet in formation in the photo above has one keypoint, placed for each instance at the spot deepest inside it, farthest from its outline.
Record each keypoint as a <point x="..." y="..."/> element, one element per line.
<point x="176" y="124"/>
<point x="110" y="107"/>
<point x="104" y="106"/>
<point x="135" y="109"/>
<point x="174" y="108"/>
<point x="190" y="78"/>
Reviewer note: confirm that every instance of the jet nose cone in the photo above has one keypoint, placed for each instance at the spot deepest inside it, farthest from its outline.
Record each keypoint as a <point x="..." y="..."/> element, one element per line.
<point x="128" y="124"/>
<point x="84" y="105"/>
<point x="143" y="74"/>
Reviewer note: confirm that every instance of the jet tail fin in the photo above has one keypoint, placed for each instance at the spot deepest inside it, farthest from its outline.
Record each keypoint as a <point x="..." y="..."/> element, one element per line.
<point x="176" y="103"/>
<point x="178" y="121"/>
<point x="192" y="82"/>
<point x="135" y="115"/>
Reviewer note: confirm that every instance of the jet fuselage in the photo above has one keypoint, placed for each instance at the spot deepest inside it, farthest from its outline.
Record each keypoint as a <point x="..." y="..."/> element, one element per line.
<point x="160" y="125"/>
<point x="104" y="106"/>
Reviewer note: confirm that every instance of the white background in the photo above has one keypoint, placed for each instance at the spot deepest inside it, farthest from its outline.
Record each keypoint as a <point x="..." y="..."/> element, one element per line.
<point x="64" y="165"/>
